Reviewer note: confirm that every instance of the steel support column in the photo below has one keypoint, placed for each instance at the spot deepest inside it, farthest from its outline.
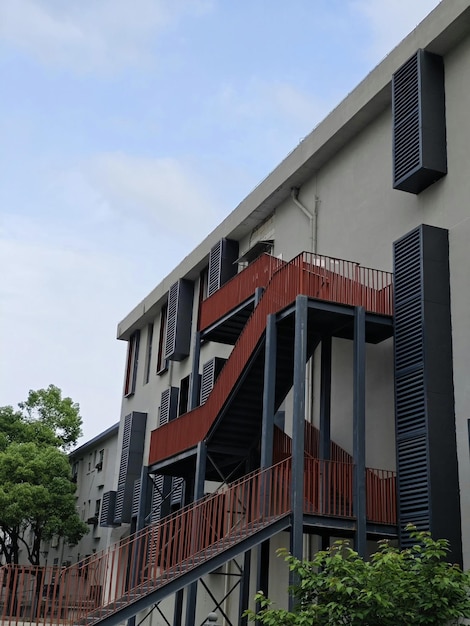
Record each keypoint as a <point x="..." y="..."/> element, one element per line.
<point x="199" y="480"/>
<point x="267" y="430"/>
<point x="245" y="589"/>
<point x="194" y="380"/>
<point x="298" y="427"/>
<point x="144" y="504"/>
<point x="325" y="399"/>
<point x="359" y="430"/>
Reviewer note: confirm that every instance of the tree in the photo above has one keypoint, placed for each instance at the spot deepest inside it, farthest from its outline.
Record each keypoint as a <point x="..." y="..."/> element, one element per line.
<point x="36" y="491"/>
<point x="394" y="588"/>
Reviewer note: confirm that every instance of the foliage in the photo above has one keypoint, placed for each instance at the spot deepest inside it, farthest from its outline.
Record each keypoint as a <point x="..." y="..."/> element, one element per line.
<point x="36" y="492"/>
<point x="60" y="415"/>
<point x="394" y="588"/>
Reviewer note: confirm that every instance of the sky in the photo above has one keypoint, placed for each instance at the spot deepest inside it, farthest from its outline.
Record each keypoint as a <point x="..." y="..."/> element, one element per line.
<point x="128" y="130"/>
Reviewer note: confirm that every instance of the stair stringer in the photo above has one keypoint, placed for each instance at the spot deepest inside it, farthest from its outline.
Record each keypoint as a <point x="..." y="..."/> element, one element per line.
<point x="142" y="597"/>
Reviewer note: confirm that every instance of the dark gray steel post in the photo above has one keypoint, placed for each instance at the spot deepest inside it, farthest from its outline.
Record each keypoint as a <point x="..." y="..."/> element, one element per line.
<point x="245" y="589"/>
<point x="194" y="381"/>
<point x="144" y="498"/>
<point x="298" y="428"/>
<point x="267" y="431"/>
<point x="199" y="480"/>
<point x="325" y="399"/>
<point x="359" y="430"/>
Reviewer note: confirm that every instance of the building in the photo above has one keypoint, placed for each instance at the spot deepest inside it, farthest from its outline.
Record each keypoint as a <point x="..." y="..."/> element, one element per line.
<point x="290" y="392"/>
<point x="92" y="466"/>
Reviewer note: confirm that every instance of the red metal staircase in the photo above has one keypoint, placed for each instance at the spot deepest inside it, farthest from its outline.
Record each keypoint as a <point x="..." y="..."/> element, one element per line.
<point x="316" y="276"/>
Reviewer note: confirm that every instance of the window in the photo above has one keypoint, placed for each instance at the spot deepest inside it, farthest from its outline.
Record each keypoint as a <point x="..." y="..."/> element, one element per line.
<point x="162" y="364"/>
<point x="99" y="463"/>
<point x="97" y="509"/>
<point x="132" y="362"/>
<point x="184" y="396"/>
<point x="148" y="353"/>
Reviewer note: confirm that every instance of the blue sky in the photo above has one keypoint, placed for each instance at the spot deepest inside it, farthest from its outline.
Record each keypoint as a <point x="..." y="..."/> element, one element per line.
<point x="129" y="129"/>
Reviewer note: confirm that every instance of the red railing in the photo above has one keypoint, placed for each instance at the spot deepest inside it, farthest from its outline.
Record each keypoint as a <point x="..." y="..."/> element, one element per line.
<point x="143" y="562"/>
<point x="381" y="496"/>
<point x="146" y="561"/>
<point x="380" y="484"/>
<point x="316" y="276"/>
<point x="238" y="289"/>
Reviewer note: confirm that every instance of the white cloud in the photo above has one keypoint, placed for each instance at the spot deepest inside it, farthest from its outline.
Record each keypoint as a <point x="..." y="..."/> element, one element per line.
<point x="90" y="35"/>
<point x="163" y="193"/>
<point x="391" y="20"/>
<point x="58" y="318"/>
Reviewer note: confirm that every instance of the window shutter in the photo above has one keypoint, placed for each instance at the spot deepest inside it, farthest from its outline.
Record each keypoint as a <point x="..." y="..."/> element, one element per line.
<point x="168" y="405"/>
<point x="157" y="491"/>
<point x="136" y="497"/>
<point x="178" y="324"/>
<point x="210" y="371"/>
<point x="419" y="133"/>
<point x="222" y="264"/>
<point x="107" y="509"/>
<point x="177" y="485"/>
<point x="130" y="465"/>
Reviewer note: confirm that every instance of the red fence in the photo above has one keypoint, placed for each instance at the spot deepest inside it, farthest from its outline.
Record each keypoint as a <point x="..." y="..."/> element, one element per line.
<point x="312" y="275"/>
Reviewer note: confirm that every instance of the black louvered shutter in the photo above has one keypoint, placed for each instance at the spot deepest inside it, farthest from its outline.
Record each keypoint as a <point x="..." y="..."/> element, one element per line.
<point x="419" y="131"/>
<point x="136" y="497"/>
<point x="131" y="464"/>
<point x="178" y="323"/>
<point x="168" y="405"/>
<point x="222" y="264"/>
<point x="428" y="492"/>
<point x="177" y="486"/>
<point x="210" y="371"/>
<point x="158" y="492"/>
<point x="108" y="505"/>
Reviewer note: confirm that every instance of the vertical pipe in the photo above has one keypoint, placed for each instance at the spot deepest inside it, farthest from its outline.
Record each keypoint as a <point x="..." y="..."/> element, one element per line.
<point x="298" y="428"/>
<point x="359" y="429"/>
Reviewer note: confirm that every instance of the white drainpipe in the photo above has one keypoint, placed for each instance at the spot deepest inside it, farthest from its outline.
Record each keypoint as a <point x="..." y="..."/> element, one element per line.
<point x="311" y="216"/>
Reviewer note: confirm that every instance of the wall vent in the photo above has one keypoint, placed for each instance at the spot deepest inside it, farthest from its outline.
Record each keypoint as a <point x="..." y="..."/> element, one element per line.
<point x="427" y="476"/>
<point x="419" y="129"/>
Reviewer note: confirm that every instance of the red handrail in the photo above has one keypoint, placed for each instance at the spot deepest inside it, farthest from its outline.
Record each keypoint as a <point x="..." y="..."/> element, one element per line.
<point x="316" y="276"/>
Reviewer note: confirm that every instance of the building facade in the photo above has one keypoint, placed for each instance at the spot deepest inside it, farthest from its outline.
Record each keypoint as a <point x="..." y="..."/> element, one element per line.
<point x="92" y="466"/>
<point x="302" y="374"/>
